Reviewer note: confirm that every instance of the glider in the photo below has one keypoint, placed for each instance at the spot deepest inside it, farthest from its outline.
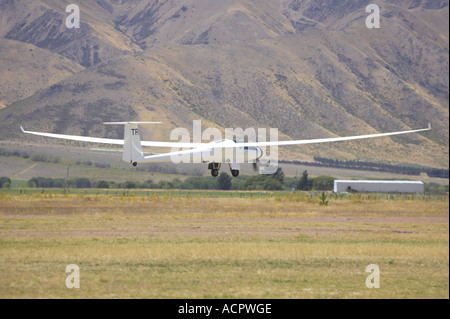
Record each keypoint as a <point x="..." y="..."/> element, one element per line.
<point x="214" y="153"/>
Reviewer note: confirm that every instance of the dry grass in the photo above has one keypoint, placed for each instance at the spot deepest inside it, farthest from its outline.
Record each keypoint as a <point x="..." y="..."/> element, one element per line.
<point x="192" y="247"/>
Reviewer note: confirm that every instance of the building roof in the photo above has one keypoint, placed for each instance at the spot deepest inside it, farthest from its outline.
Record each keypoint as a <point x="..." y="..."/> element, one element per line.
<point x="377" y="181"/>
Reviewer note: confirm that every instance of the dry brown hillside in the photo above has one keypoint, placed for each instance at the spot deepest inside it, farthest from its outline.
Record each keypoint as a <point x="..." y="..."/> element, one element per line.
<point x="310" y="68"/>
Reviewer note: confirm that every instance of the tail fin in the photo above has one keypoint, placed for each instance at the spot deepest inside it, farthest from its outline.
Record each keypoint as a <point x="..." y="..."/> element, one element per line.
<point x="132" y="148"/>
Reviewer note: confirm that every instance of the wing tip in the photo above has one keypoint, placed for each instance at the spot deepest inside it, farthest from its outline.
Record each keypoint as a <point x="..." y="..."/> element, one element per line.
<point x="21" y="128"/>
<point x="429" y="126"/>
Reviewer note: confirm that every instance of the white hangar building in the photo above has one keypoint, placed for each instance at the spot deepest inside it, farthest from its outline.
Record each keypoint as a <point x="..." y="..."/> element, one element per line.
<point x="378" y="186"/>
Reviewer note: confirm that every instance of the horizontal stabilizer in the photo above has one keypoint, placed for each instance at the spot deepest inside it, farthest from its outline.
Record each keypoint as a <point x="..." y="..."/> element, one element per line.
<point x="103" y="150"/>
<point x="120" y="151"/>
<point x="123" y="123"/>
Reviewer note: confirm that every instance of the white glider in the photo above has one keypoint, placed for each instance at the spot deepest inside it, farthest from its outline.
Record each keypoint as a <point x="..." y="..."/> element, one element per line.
<point x="211" y="153"/>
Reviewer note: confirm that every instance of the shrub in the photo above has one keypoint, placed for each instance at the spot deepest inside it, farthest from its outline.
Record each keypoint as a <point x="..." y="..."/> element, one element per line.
<point x="31" y="184"/>
<point x="262" y="182"/>
<point x="323" y="199"/>
<point x="323" y="182"/>
<point x="129" y="184"/>
<point x="102" y="165"/>
<point x="37" y="157"/>
<point x="41" y="182"/>
<point x="102" y="184"/>
<point x="224" y="181"/>
<point x="4" y="180"/>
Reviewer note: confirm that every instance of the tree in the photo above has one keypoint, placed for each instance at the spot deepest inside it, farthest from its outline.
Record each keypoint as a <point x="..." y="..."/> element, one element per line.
<point x="323" y="182"/>
<point x="4" y="180"/>
<point x="279" y="175"/>
<point x="224" y="181"/>
<point x="262" y="182"/>
<point x="82" y="182"/>
<point x="42" y="182"/>
<point x="303" y="182"/>
<point x="31" y="184"/>
<point x="323" y="199"/>
<point x="102" y="184"/>
<point x="129" y="184"/>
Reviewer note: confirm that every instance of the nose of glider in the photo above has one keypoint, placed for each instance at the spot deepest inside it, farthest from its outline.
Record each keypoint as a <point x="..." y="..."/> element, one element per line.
<point x="259" y="152"/>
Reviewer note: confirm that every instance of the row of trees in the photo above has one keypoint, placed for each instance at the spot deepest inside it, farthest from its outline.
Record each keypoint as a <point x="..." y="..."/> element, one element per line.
<point x="370" y="166"/>
<point x="224" y="181"/>
<point x="322" y="182"/>
<point x="46" y="182"/>
<point x="39" y="157"/>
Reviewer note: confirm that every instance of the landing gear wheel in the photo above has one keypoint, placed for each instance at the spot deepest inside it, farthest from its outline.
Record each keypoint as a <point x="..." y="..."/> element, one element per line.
<point x="134" y="163"/>
<point x="214" y="172"/>
<point x="235" y="172"/>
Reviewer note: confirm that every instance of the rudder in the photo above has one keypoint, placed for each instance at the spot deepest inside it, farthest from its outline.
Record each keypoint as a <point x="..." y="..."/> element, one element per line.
<point x="132" y="149"/>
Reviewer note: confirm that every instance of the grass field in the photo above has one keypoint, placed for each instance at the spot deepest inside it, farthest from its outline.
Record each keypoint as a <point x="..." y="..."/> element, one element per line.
<point x="190" y="245"/>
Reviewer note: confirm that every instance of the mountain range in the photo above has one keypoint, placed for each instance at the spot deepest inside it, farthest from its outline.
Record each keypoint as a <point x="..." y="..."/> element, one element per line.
<point x="309" y="68"/>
